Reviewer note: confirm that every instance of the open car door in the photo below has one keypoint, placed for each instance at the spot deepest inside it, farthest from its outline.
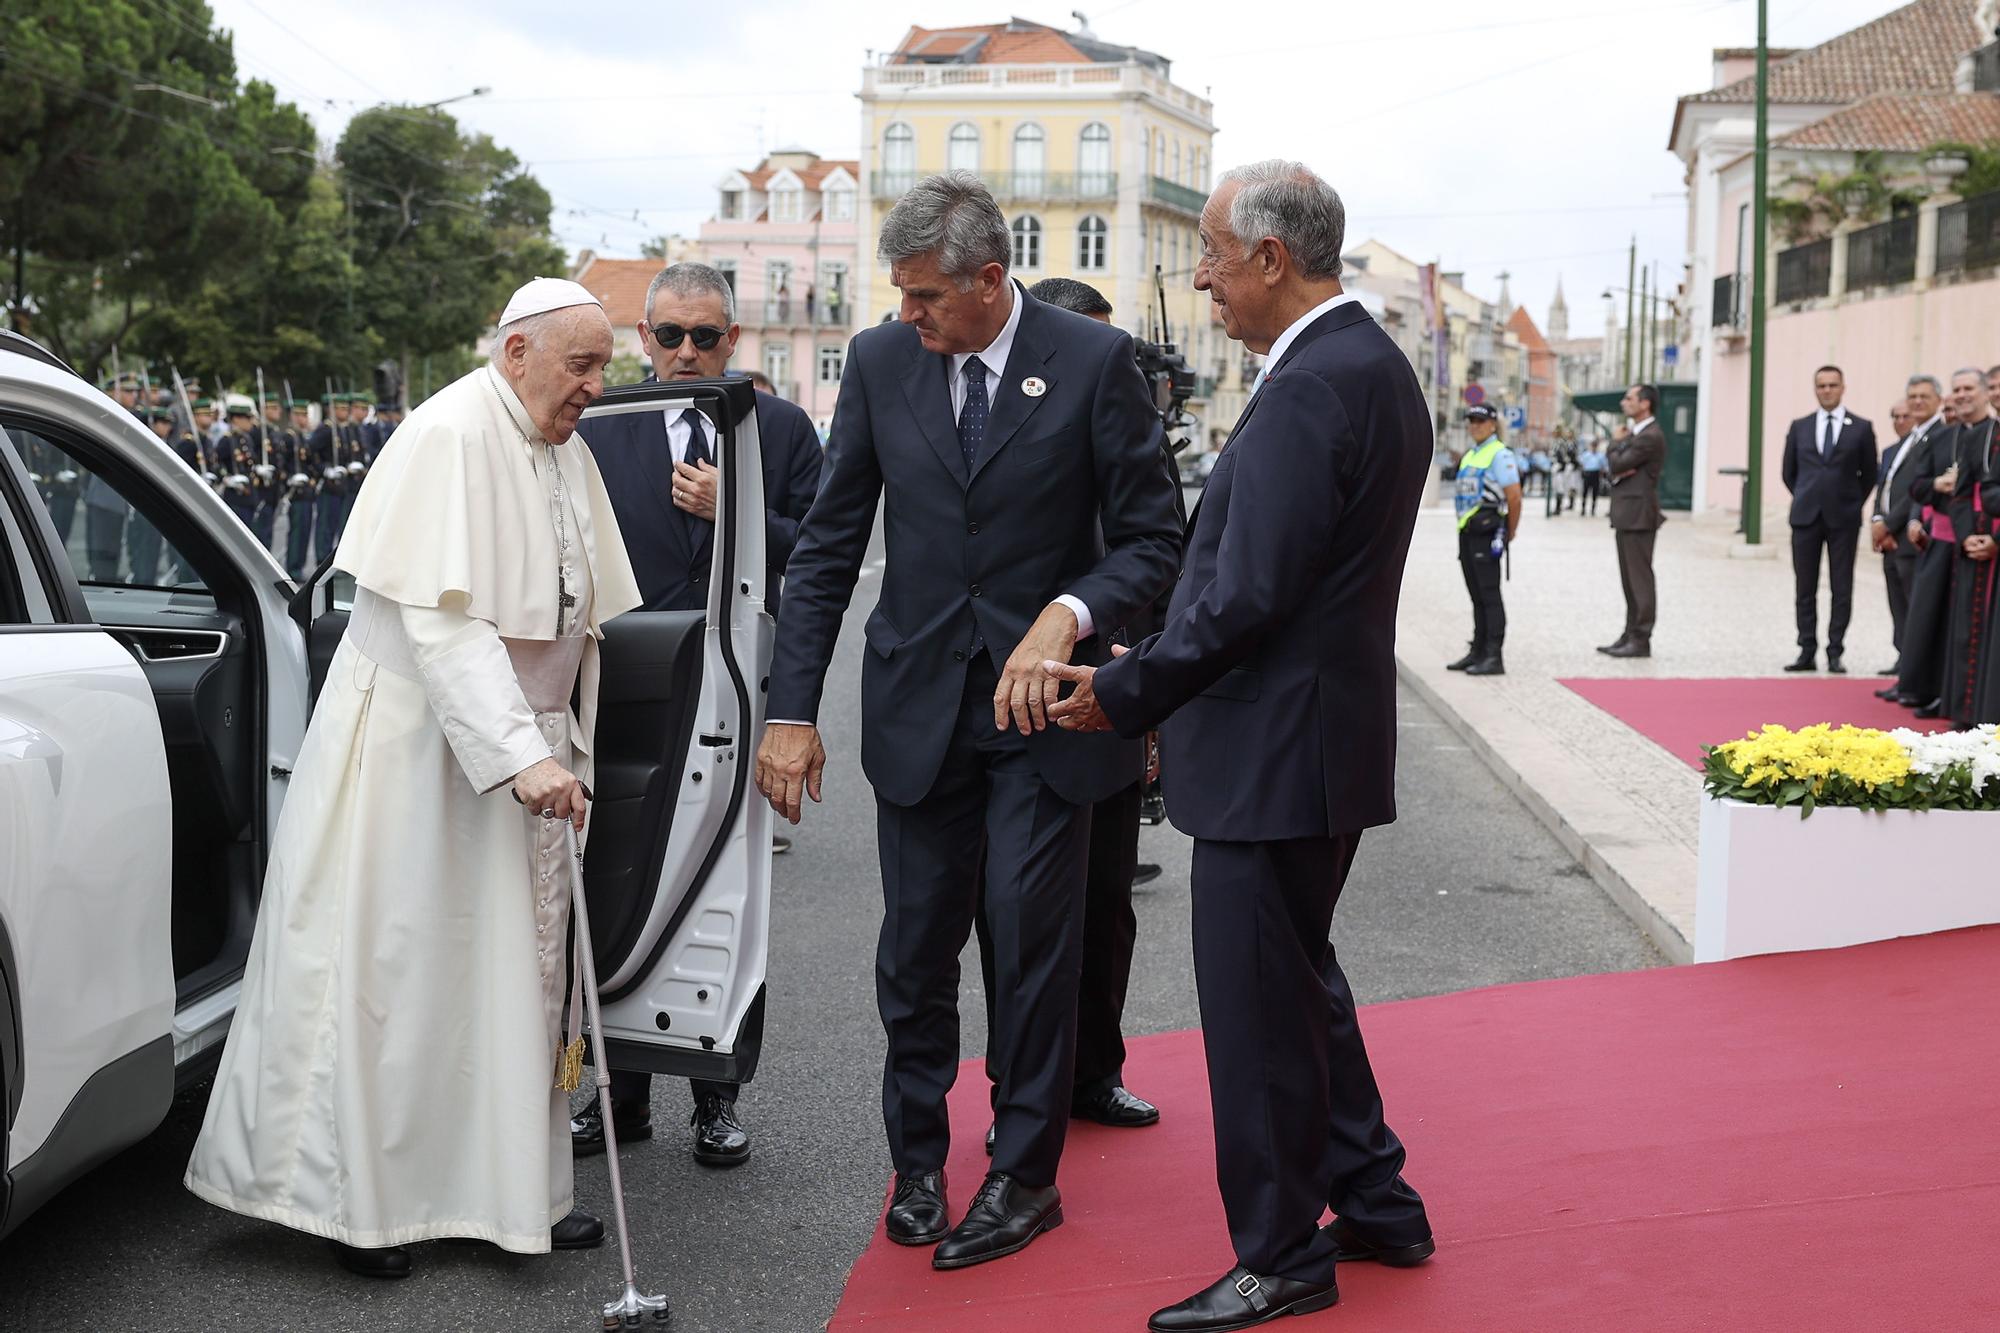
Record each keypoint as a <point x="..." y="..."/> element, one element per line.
<point x="678" y="858"/>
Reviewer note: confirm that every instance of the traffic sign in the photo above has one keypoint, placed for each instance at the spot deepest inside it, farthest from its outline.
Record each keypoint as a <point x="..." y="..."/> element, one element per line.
<point x="1670" y="354"/>
<point x="1473" y="395"/>
<point x="1517" y="419"/>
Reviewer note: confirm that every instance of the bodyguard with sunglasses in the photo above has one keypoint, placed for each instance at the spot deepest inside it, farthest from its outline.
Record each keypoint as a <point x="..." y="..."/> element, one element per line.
<point x="660" y="473"/>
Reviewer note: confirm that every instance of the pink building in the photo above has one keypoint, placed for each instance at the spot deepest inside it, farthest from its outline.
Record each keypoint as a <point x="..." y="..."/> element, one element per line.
<point x="785" y="234"/>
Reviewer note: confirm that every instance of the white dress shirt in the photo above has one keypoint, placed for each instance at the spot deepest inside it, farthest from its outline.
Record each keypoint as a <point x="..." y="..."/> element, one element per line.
<point x="1820" y="418"/>
<point x="1291" y="335"/>
<point x="679" y="431"/>
<point x="1638" y="426"/>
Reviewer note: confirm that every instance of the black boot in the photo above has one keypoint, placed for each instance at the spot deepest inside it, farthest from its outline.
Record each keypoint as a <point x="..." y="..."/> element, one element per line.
<point x="1489" y="665"/>
<point x="1472" y="654"/>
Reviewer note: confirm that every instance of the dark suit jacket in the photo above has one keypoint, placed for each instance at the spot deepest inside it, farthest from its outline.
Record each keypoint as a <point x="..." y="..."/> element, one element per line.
<point x="1893" y="503"/>
<point x="1277" y="663"/>
<point x="1830" y="488"/>
<point x="1635" y="500"/>
<point x="670" y="549"/>
<point x="1067" y="495"/>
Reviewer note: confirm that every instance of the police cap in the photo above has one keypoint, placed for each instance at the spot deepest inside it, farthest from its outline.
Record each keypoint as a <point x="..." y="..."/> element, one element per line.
<point x="1481" y="412"/>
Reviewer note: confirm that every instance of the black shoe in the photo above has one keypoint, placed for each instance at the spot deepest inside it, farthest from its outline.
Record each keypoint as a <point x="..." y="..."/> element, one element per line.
<point x="989" y="1138"/>
<point x="1834" y="665"/>
<point x="1489" y="665"/>
<point x="1891" y="693"/>
<point x="586" y="1128"/>
<point x="1630" y="648"/>
<point x="1471" y="655"/>
<point x="1241" y="1299"/>
<point x="1935" y="708"/>
<point x="719" y="1139"/>
<point x="391" y="1261"/>
<point x="1115" y="1107"/>
<point x="1612" y="649"/>
<point x="1904" y="699"/>
<point x="1144" y="873"/>
<point x="1350" y="1246"/>
<point x="1005" y="1216"/>
<point x="1806" y="662"/>
<point x="578" y="1231"/>
<point x="917" y="1214"/>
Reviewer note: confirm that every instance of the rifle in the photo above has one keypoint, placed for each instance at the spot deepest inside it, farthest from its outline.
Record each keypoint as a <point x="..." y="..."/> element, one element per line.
<point x="264" y="468"/>
<point x="204" y="454"/>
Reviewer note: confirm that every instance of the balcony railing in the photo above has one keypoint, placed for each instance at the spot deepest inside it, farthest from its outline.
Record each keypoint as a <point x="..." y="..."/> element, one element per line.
<point x="791" y="311"/>
<point x="1969" y="234"/>
<point x="1163" y="191"/>
<point x="1727" y="312"/>
<point x="1017" y="187"/>
<point x="1883" y="254"/>
<point x="1986" y="68"/>
<point x="1805" y="272"/>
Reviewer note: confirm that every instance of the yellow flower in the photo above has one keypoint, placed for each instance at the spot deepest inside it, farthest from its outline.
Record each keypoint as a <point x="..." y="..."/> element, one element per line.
<point x="1775" y="755"/>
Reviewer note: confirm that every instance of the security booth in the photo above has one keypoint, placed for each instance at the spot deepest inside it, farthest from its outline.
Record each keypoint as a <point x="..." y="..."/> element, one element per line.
<point x="1676" y="419"/>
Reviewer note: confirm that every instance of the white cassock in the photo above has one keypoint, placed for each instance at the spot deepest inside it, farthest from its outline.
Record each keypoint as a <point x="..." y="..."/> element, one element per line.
<point x="391" y="1074"/>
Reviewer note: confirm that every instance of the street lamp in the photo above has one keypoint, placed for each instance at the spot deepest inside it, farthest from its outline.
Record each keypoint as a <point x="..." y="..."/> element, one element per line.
<point x="447" y="101"/>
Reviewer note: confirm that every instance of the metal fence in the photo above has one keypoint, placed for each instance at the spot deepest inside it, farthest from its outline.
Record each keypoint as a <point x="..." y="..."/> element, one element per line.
<point x="1969" y="234"/>
<point x="1727" y="310"/>
<point x="1883" y="254"/>
<point x="1020" y="187"/>
<point x="1805" y="272"/>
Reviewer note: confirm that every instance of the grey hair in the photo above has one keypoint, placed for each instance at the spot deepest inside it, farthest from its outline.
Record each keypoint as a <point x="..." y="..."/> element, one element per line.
<point x="692" y="279"/>
<point x="1287" y="202"/>
<point x="952" y="215"/>
<point x="531" y="327"/>
<point x="1973" y="371"/>
<point x="1931" y="380"/>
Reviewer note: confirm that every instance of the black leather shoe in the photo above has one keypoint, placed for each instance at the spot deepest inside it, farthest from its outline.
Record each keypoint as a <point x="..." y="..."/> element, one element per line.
<point x="1241" y="1299"/>
<point x="1144" y="873"/>
<point x="1631" y="648"/>
<point x="578" y="1231"/>
<point x="719" y="1139"/>
<point x="1889" y="693"/>
<point x="1350" y="1246"/>
<point x="1611" y="649"/>
<point x="917" y="1214"/>
<point x="1471" y="655"/>
<point x="1005" y="1215"/>
<point x="586" y="1128"/>
<point x="989" y="1139"/>
<point x="1489" y="665"/>
<point x="1115" y="1107"/>
<point x="1904" y="699"/>
<point x="1834" y="665"/>
<point x="1806" y="662"/>
<point x="391" y="1261"/>
<point x="1935" y="708"/>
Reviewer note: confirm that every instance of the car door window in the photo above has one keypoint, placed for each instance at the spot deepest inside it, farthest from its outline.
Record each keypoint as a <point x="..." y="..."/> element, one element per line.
<point x="110" y="541"/>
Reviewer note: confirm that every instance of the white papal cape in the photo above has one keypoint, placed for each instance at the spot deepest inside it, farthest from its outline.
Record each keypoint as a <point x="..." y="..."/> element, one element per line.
<point x="390" y="1076"/>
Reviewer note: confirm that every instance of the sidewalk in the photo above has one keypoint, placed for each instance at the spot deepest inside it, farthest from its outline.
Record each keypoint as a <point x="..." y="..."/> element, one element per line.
<point x="1624" y="807"/>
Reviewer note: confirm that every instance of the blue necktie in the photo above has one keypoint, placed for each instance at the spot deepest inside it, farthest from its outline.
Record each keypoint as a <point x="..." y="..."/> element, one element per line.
<point x="697" y="445"/>
<point x="1826" y="443"/>
<point x="972" y="418"/>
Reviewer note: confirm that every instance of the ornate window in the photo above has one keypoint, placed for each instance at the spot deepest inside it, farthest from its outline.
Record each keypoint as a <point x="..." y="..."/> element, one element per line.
<point x="1091" y="240"/>
<point x="1027" y="242"/>
<point x="962" y="152"/>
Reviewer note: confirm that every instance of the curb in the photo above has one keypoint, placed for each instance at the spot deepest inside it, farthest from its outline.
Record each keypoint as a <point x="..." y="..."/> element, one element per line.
<point x="1616" y="884"/>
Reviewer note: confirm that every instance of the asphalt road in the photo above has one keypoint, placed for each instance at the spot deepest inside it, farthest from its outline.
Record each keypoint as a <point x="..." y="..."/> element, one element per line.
<point x="1465" y="890"/>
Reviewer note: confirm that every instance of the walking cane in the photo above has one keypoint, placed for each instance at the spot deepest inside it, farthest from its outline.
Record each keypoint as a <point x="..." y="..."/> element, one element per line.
<point x="630" y="1310"/>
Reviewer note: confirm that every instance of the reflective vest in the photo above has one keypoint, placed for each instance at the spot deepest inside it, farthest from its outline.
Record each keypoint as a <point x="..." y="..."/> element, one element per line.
<point x="1474" y="491"/>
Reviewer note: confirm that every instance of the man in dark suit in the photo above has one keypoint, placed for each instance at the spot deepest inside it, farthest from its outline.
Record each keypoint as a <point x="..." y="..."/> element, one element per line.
<point x="1634" y="461"/>
<point x="659" y="470"/>
<point x="1829" y="467"/>
<point x="1922" y="633"/>
<point x="1027" y="511"/>
<point x="1274" y="686"/>
<point x="1898" y="559"/>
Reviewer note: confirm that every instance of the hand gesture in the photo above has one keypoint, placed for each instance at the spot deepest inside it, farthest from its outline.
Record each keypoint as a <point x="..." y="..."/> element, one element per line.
<point x="1079" y="712"/>
<point x="552" y="791"/>
<point x="1980" y="548"/>
<point x="694" y="488"/>
<point x="1026" y="690"/>
<point x="790" y="763"/>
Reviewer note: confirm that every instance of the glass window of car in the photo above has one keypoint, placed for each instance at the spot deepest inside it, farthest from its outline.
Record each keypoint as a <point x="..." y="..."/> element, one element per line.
<point x="110" y="542"/>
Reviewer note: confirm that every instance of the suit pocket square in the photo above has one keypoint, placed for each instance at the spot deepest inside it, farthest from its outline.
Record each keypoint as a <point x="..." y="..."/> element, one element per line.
<point x="1236" y="683"/>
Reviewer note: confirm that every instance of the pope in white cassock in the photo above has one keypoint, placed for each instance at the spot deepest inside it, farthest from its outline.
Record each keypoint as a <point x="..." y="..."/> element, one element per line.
<point x="393" y="1072"/>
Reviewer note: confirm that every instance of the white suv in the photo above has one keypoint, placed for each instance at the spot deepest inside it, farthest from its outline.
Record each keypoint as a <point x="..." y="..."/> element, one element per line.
<point x="148" y="729"/>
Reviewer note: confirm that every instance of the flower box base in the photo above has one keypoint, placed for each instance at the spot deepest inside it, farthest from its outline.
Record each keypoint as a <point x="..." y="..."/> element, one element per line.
<point x="1771" y="882"/>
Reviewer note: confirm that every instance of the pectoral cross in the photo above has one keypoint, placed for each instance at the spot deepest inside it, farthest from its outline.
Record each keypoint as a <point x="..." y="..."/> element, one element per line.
<point x="565" y="599"/>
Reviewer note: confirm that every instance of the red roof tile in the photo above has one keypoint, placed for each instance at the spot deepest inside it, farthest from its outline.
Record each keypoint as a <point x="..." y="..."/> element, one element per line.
<point x="621" y="285"/>
<point x="1912" y="49"/>
<point x="1903" y="123"/>
<point x="1523" y="325"/>
<point x="1015" y="43"/>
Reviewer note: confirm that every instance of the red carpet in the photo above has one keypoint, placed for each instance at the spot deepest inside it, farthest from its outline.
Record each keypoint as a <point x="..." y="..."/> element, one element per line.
<point x="1681" y="716"/>
<point x="1794" y="1142"/>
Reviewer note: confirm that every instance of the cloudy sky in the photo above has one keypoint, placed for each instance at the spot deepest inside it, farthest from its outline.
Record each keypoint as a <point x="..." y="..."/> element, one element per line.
<point x="1529" y="138"/>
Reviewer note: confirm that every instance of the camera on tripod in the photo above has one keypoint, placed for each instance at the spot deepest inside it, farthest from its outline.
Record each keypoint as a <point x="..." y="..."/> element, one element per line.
<point x="1168" y="375"/>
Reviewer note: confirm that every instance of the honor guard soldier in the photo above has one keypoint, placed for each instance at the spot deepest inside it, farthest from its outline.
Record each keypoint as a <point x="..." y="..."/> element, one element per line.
<point x="1488" y="503"/>
<point x="302" y="490"/>
<point x="330" y="467"/>
<point x="143" y="542"/>
<point x="267" y="445"/>
<point x="239" y="458"/>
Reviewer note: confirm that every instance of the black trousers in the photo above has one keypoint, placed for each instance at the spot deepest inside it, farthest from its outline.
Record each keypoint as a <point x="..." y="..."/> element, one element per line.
<point x="1838" y="541"/>
<point x="1591" y="481"/>
<point x="1482" y="583"/>
<point x="1898" y="571"/>
<point x="989" y="821"/>
<point x="1927" y="623"/>
<point x="1635" y="572"/>
<point x="1298" y="1117"/>
<point x="633" y="1087"/>
<point x="1110" y="929"/>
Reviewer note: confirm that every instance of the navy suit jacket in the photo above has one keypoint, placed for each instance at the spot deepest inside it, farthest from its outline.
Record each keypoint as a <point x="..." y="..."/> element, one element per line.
<point x="1273" y="682"/>
<point x="670" y="549"/>
<point x="1833" y="488"/>
<point x="1067" y="495"/>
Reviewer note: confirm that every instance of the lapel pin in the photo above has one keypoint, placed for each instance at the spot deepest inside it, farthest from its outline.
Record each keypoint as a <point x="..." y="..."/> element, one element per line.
<point x="1033" y="387"/>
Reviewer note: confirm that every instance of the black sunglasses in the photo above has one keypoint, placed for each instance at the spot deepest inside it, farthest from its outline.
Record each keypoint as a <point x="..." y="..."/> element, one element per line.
<point x="669" y="336"/>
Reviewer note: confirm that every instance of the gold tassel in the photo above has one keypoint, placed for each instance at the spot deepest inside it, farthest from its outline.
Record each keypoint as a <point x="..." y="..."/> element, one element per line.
<point x="569" y="1070"/>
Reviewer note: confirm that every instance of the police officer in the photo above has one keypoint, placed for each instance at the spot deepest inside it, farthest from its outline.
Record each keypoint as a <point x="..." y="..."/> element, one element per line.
<point x="1488" y="503"/>
<point x="302" y="482"/>
<point x="239" y="459"/>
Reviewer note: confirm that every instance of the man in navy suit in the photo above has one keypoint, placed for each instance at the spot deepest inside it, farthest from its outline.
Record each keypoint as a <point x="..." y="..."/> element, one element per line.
<point x="1026" y="509"/>
<point x="1273" y="684"/>
<point x="659" y="469"/>
<point x="1829" y="469"/>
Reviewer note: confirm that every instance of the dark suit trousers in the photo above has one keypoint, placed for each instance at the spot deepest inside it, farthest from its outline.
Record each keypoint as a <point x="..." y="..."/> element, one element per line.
<point x="1298" y="1118"/>
<point x="991" y="839"/>
<point x="1898" y="570"/>
<point x="1635" y="572"/>
<point x="1838" y="540"/>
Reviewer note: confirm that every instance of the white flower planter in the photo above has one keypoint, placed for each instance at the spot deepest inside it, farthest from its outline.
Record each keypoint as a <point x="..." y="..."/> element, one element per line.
<point x="1770" y="882"/>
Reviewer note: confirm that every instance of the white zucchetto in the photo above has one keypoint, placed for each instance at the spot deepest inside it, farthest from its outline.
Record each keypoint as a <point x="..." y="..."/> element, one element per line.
<point x="538" y="296"/>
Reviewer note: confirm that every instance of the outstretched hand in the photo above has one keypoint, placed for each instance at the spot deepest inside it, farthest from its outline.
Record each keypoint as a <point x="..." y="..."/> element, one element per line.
<point x="1080" y="711"/>
<point x="789" y="766"/>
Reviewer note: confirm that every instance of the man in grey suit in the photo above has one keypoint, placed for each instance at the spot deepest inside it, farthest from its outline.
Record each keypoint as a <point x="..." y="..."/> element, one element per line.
<point x="1634" y="463"/>
<point x="1018" y="453"/>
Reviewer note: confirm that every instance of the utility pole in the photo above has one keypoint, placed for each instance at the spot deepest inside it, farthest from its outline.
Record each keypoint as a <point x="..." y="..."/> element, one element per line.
<point x="1631" y="282"/>
<point x="1753" y="485"/>
<point x="1645" y="328"/>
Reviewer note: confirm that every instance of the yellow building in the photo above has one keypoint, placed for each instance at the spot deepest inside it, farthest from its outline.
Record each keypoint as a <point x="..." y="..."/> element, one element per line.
<point x="1100" y="161"/>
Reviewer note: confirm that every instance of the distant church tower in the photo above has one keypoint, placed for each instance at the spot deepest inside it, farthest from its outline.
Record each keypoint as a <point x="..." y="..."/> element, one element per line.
<point x="1558" y="315"/>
